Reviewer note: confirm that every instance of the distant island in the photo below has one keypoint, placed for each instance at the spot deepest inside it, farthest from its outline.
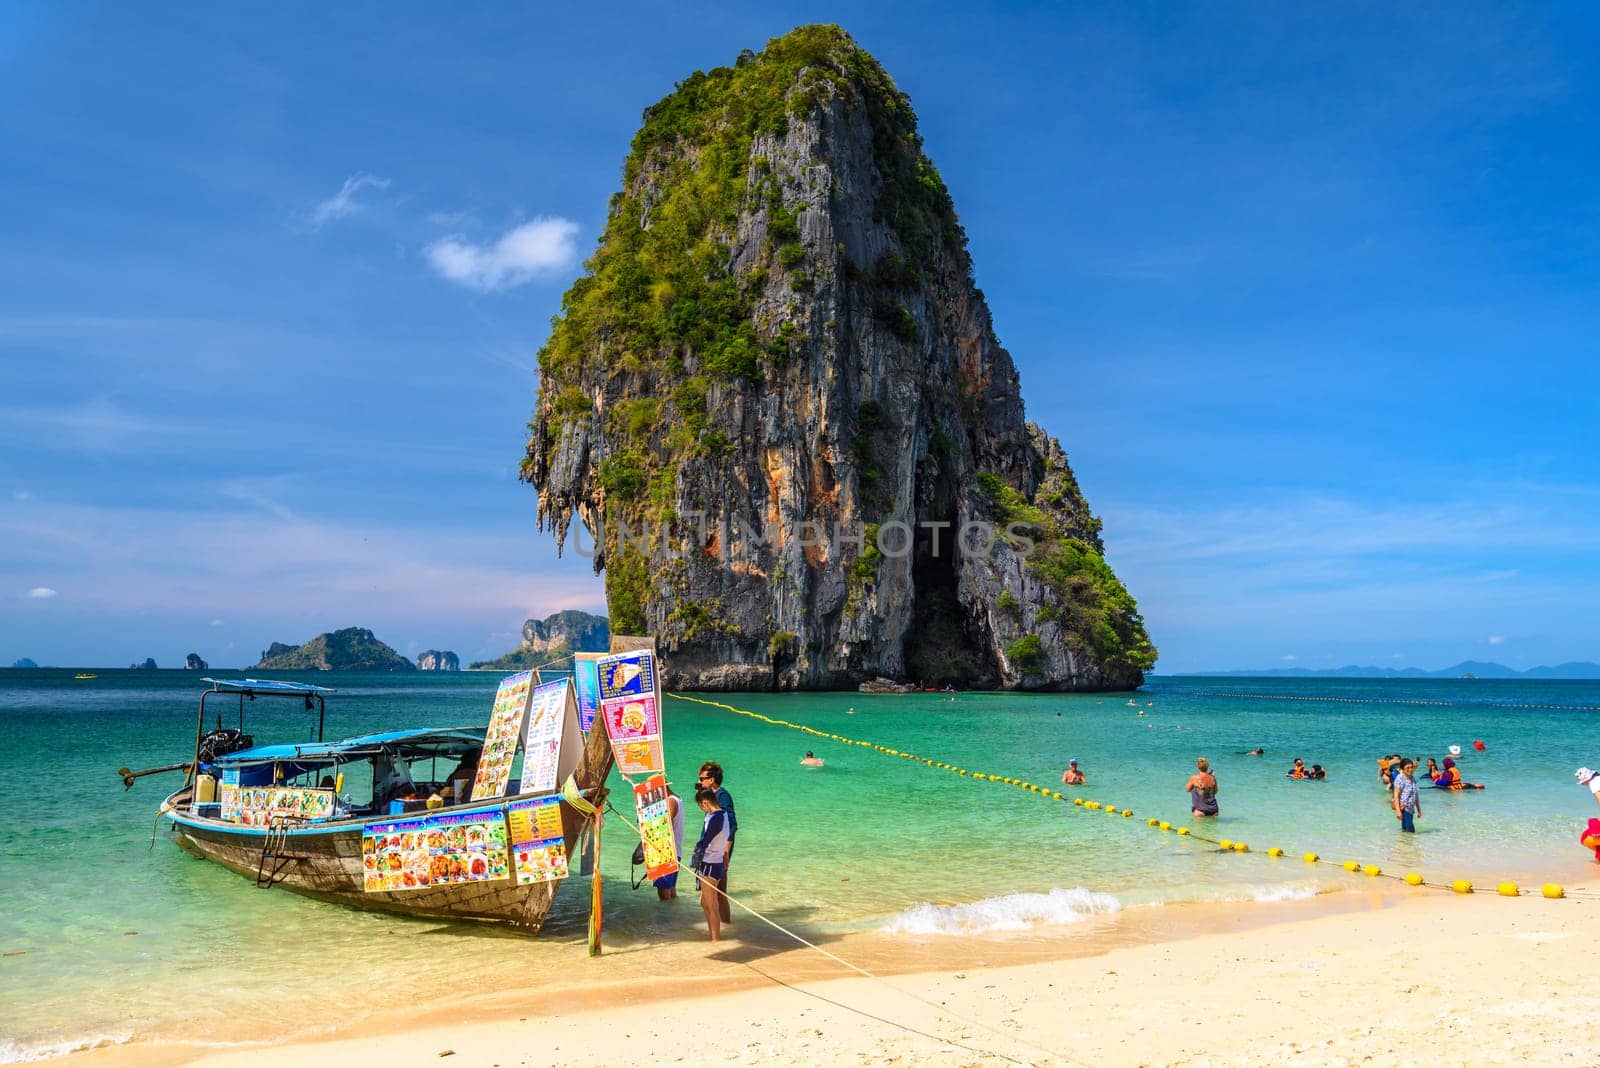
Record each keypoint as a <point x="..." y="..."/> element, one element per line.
<point x="351" y="649"/>
<point x="148" y="665"/>
<point x="192" y="662"/>
<point x="438" y="660"/>
<point x="25" y="662"/>
<point x="1467" y="669"/>
<point x="556" y="636"/>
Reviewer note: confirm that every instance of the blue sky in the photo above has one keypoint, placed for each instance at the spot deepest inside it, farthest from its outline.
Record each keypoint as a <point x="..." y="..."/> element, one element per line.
<point x="1310" y="299"/>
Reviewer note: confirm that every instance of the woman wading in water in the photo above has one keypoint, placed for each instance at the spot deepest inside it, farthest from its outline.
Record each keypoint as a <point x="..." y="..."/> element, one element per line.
<point x="1202" y="787"/>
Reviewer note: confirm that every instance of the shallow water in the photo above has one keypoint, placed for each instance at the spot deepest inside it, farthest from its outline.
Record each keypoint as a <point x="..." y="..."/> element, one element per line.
<point x="869" y="842"/>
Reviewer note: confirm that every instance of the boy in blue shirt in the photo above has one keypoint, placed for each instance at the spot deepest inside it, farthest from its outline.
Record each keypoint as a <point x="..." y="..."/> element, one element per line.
<point x="711" y="778"/>
<point x="710" y="859"/>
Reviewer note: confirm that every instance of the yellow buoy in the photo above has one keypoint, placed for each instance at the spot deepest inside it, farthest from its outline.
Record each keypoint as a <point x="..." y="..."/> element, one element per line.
<point x="1553" y="890"/>
<point x="1351" y="865"/>
<point x="1057" y="795"/>
<point x="1226" y="843"/>
<point x="1413" y="879"/>
<point x="1240" y="847"/>
<point x="1372" y="871"/>
<point x="1507" y="890"/>
<point x="980" y="775"/>
<point x="1274" y="852"/>
<point x="1127" y="812"/>
<point x="1311" y="858"/>
<point x="1164" y="825"/>
<point x="1153" y="822"/>
<point x="1183" y="830"/>
<point x="1461" y="886"/>
<point x="1078" y="801"/>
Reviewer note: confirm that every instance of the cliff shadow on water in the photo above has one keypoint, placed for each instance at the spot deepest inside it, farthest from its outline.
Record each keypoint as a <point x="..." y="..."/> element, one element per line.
<point x="777" y="407"/>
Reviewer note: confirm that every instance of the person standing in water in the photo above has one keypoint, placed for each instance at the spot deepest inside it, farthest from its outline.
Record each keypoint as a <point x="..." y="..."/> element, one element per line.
<point x="1072" y="776"/>
<point x="710" y="860"/>
<point x="1407" y="806"/>
<point x="1202" y="787"/>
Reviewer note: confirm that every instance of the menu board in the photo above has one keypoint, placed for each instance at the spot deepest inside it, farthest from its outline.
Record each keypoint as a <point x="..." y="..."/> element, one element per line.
<point x="538" y="844"/>
<point x="586" y="679"/>
<point x="541" y="743"/>
<point x="505" y="731"/>
<point x="258" y="806"/>
<point x="655" y="827"/>
<point x="461" y="847"/>
<point x="630" y="706"/>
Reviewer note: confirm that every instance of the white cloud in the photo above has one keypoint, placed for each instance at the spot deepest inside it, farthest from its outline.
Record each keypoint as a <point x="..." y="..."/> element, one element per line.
<point x="1496" y="639"/>
<point x="21" y="495"/>
<point x="344" y="204"/>
<point x="41" y="593"/>
<point x="1289" y="656"/>
<point x="216" y="622"/>
<point x="541" y="247"/>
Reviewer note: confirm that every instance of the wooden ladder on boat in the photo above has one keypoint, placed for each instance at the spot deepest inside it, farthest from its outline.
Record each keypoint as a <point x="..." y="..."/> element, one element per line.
<point x="276" y="857"/>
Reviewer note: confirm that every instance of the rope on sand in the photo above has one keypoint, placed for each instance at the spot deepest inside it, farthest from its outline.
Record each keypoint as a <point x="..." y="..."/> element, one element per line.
<point x="938" y="1008"/>
<point x="1458" y="886"/>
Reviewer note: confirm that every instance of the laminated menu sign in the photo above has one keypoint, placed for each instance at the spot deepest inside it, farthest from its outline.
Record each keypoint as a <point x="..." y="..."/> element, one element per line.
<point x="551" y="711"/>
<point x="259" y="806"/>
<point x="586" y="679"/>
<point x="655" y="827"/>
<point x="538" y="844"/>
<point x="461" y="847"/>
<point x="630" y="706"/>
<point x="505" y="731"/>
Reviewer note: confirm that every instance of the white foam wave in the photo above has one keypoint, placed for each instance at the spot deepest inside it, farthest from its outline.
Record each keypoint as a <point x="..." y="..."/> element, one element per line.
<point x="1282" y="893"/>
<point x="1010" y="912"/>
<point x="16" y="1053"/>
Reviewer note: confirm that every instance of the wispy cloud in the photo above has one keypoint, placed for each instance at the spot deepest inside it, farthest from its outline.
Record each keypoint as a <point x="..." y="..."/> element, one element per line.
<point x="534" y="249"/>
<point x="41" y="593"/>
<point x="98" y="424"/>
<point x="345" y="202"/>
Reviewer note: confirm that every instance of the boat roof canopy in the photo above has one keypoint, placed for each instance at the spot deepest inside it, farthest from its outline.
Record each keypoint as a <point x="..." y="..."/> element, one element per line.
<point x="419" y="742"/>
<point x="264" y="686"/>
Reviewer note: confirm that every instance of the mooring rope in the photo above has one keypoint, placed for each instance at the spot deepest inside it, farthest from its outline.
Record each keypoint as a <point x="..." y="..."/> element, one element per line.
<point x="938" y="1008"/>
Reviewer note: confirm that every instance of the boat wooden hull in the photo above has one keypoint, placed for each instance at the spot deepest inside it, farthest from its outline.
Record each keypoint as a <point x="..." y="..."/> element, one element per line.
<point x="324" y="860"/>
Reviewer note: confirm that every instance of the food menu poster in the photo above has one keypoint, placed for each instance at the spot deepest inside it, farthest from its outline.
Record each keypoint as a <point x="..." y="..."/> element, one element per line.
<point x="634" y="726"/>
<point x="538" y="844"/>
<point x="655" y="827"/>
<point x="505" y="731"/>
<point x="464" y="847"/>
<point x="552" y="706"/>
<point x="586" y="679"/>
<point x="258" y="806"/>
<point x="630" y="706"/>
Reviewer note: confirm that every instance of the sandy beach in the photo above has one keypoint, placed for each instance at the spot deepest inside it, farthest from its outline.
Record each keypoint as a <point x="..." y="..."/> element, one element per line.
<point x="1412" y="977"/>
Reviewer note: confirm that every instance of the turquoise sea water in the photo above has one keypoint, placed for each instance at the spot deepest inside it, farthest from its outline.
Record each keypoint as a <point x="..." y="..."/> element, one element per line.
<point x="110" y="939"/>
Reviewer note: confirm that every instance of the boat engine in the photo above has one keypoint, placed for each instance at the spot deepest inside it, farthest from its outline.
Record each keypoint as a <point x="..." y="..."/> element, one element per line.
<point x="221" y="742"/>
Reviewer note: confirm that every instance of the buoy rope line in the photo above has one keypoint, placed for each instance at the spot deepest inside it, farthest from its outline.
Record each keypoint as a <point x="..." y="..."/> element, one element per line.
<point x="1387" y="701"/>
<point x="1459" y="886"/>
<point x="935" y="1006"/>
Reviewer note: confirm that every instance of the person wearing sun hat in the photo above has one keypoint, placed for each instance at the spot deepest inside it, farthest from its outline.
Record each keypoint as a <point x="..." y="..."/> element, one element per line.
<point x="1072" y="776"/>
<point x="1590" y="779"/>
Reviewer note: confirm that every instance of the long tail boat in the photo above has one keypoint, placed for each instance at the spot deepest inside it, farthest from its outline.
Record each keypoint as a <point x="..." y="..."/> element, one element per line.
<point x="350" y="821"/>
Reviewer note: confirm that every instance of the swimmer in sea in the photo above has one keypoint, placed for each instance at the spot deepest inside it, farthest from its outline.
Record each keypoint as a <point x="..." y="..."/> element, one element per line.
<point x="1254" y="752"/>
<point x="1072" y="776"/>
<point x="811" y="760"/>
<point x="1202" y="787"/>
